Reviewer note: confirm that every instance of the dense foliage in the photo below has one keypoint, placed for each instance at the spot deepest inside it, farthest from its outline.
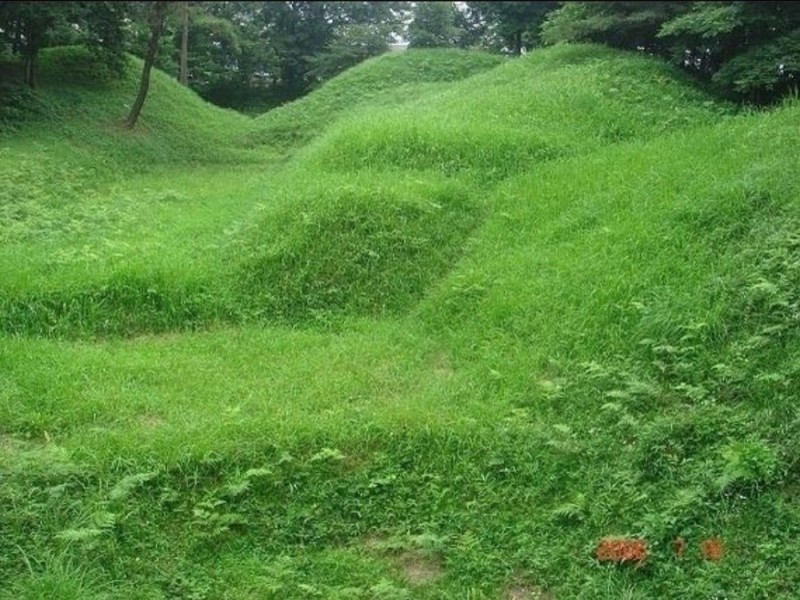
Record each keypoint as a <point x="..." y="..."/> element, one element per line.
<point x="747" y="50"/>
<point x="256" y="55"/>
<point x="238" y="53"/>
<point x="27" y="27"/>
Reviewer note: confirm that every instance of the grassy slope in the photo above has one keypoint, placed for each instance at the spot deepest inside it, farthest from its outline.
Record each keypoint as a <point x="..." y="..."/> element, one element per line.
<point x="613" y="353"/>
<point x="86" y="114"/>
<point x="384" y="81"/>
<point x="199" y="226"/>
<point x="270" y="264"/>
<point x="101" y="196"/>
<point x="566" y="101"/>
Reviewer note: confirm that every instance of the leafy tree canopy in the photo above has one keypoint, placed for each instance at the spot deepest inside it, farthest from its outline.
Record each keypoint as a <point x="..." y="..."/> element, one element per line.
<point x="747" y="50"/>
<point x="259" y="54"/>
<point x="434" y="25"/>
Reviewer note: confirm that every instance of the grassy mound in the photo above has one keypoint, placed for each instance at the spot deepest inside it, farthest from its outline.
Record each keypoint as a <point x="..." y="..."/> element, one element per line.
<point x="362" y="246"/>
<point x="86" y="112"/>
<point x="382" y="81"/>
<point x="125" y="262"/>
<point x="552" y="103"/>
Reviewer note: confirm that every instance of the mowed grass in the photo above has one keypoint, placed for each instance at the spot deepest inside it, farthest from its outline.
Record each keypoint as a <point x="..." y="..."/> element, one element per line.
<point x="411" y="381"/>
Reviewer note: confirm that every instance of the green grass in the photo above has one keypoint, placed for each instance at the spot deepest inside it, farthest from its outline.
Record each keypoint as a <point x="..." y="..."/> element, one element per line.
<point x="426" y="369"/>
<point x="86" y="113"/>
<point x="383" y="81"/>
<point x="566" y="101"/>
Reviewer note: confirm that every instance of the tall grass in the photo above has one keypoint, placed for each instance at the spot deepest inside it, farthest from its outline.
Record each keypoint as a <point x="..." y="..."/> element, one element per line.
<point x="565" y="101"/>
<point x="442" y="367"/>
<point x="383" y="81"/>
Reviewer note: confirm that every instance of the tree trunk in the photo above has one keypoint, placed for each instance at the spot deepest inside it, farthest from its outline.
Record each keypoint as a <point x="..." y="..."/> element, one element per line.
<point x="17" y="46"/>
<point x="30" y="70"/>
<point x="159" y="12"/>
<point x="518" y="42"/>
<point x="30" y="51"/>
<point x="184" y="76"/>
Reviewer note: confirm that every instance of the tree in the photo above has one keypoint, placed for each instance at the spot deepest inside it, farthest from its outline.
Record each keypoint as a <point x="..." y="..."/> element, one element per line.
<point x="747" y="50"/>
<point x="103" y="24"/>
<point x="351" y="44"/>
<point x="232" y="65"/>
<point x="27" y="25"/>
<point x="629" y="25"/>
<point x="765" y="72"/>
<point x="156" y="18"/>
<point x="295" y="31"/>
<point x="361" y="30"/>
<point x="434" y="25"/>
<point x="288" y="48"/>
<point x="759" y="36"/>
<point x="509" y="26"/>
<point x="184" y="73"/>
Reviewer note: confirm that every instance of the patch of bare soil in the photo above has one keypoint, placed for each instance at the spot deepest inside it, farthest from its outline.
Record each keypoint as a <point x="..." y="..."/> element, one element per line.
<point x="149" y="421"/>
<point x="527" y="592"/>
<point x="7" y="443"/>
<point x="419" y="569"/>
<point x="10" y="443"/>
<point x="442" y="367"/>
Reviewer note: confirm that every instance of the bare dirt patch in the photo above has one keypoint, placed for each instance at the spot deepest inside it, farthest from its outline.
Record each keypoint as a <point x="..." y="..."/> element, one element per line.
<point x="527" y="592"/>
<point x="7" y="443"/>
<point x="10" y="443"/>
<point x="442" y="367"/>
<point x="150" y="421"/>
<point x="419" y="569"/>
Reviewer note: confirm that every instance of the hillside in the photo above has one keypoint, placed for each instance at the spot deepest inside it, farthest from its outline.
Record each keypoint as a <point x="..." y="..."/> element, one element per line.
<point x="437" y="354"/>
<point x="267" y="263"/>
<point x="382" y="81"/>
<point x="561" y="102"/>
<point x="85" y="111"/>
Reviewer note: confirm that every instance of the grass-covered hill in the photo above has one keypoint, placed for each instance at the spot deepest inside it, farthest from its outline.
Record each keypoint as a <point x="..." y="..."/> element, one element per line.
<point x="566" y="101"/>
<point x="441" y="367"/>
<point x="85" y="110"/>
<point x="383" y="81"/>
<point x="273" y="249"/>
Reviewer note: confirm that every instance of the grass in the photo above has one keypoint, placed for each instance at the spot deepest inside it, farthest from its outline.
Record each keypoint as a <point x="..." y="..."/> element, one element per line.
<point x="426" y="369"/>
<point x="383" y="81"/>
<point x="86" y="111"/>
<point x="567" y="101"/>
